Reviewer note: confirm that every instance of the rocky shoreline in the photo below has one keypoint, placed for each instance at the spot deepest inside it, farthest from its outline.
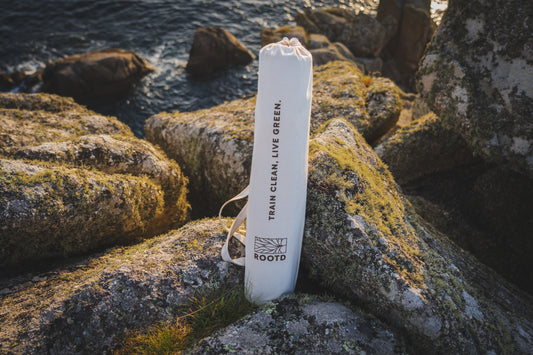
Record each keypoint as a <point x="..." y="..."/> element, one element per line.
<point x="414" y="200"/>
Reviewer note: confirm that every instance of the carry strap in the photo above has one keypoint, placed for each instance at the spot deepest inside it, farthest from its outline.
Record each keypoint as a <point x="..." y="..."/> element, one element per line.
<point x="239" y="220"/>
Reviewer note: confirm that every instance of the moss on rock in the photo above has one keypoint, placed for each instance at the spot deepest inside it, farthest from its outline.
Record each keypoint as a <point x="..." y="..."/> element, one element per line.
<point x="89" y="307"/>
<point x="423" y="147"/>
<point x="214" y="146"/>
<point x="55" y="211"/>
<point x="30" y="119"/>
<point x="121" y="155"/>
<point x="340" y="89"/>
<point x="73" y="181"/>
<point x="363" y="241"/>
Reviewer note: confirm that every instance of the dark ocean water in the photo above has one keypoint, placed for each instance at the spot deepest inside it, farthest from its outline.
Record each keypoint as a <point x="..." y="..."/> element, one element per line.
<point x="33" y="33"/>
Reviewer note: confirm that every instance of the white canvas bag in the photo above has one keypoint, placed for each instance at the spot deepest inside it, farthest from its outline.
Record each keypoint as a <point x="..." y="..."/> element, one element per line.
<point x="278" y="180"/>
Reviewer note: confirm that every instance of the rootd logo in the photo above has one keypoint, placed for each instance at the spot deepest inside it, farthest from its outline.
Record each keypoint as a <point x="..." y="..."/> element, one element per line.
<point x="270" y="249"/>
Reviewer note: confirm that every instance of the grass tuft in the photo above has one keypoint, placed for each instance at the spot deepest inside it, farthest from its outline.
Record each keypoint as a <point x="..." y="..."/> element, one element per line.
<point x="207" y="311"/>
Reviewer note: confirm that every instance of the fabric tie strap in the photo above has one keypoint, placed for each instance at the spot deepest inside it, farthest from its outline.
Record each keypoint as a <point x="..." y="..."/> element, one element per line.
<point x="232" y="231"/>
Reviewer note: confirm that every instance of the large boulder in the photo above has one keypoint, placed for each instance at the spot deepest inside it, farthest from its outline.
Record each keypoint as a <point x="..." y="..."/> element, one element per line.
<point x="214" y="48"/>
<point x="476" y="75"/>
<point x="89" y="307"/>
<point x="361" y="33"/>
<point x="105" y="74"/>
<point x="214" y="146"/>
<point x="73" y="181"/>
<point x="363" y="241"/>
<point x="303" y="324"/>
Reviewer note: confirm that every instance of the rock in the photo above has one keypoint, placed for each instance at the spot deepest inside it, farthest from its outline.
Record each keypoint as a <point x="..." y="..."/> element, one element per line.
<point x="390" y="15"/>
<point x="10" y="81"/>
<point x="476" y="75"/>
<point x="318" y="41"/>
<point x="90" y="306"/>
<point x="214" y="146"/>
<point x="361" y="33"/>
<point x="106" y="74"/>
<point x="21" y="81"/>
<point x="423" y="147"/>
<point x="272" y="36"/>
<point x="501" y="202"/>
<point x="74" y="181"/>
<point x="328" y="54"/>
<point x="484" y="209"/>
<point x="409" y="29"/>
<point x="214" y="48"/>
<point x="370" y="65"/>
<point x="364" y="242"/>
<point x="383" y="108"/>
<point x="302" y="324"/>
<point x="420" y="108"/>
<point x="416" y="30"/>
<point x="322" y="50"/>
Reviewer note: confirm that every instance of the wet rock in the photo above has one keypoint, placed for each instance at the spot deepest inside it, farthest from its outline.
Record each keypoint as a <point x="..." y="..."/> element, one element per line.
<point x="476" y="75"/>
<point x="361" y="33"/>
<point x="11" y="80"/>
<point x="214" y="48"/>
<point x="423" y="147"/>
<point x="74" y="181"/>
<point x="90" y="306"/>
<point x="106" y="74"/>
<point x="302" y="324"/>
<point x="364" y="242"/>
<point x="21" y="81"/>
<point x="214" y="146"/>
<point x="27" y="120"/>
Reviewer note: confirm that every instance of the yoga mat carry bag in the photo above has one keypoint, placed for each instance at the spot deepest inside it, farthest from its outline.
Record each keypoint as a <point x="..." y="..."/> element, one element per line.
<point x="275" y="210"/>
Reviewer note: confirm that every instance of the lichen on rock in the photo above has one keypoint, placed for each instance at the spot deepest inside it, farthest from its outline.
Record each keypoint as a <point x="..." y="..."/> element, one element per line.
<point x="363" y="241"/>
<point x="476" y="75"/>
<point x="305" y="324"/>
